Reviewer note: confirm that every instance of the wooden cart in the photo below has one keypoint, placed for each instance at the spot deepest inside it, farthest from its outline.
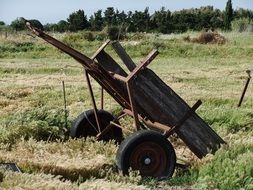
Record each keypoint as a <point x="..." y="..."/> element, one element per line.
<point x="157" y="112"/>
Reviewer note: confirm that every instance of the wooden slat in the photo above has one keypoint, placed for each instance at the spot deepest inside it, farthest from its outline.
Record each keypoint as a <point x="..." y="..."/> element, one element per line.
<point x="123" y="55"/>
<point x="100" y="49"/>
<point x="109" y="64"/>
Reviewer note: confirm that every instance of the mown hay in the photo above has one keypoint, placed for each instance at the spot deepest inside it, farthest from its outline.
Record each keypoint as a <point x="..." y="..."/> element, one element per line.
<point x="42" y="181"/>
<point x="207" y="38"/>
<point x="69" y="159"/>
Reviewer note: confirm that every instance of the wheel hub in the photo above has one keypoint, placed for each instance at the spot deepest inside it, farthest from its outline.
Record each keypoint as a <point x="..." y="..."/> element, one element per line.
<point x="149" y="158"/>
<point x="147" y="161"/>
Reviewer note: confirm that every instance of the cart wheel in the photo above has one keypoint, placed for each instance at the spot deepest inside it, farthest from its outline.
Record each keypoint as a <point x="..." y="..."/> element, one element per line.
<point x="85" y="126"/>
<point x="149" y="152"/>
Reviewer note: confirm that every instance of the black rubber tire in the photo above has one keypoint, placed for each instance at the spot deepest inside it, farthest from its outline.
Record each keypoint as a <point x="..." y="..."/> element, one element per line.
<point x="85" y="126"/>
<point x="154" y="143"/>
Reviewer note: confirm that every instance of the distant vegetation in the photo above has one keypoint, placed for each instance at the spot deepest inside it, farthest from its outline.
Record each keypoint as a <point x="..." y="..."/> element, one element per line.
<point x="162" y="21"/>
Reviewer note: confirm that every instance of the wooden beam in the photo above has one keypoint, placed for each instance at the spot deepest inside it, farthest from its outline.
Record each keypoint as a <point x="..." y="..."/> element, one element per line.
<point x="100" y="49"/>
<point x="123" y="56"/>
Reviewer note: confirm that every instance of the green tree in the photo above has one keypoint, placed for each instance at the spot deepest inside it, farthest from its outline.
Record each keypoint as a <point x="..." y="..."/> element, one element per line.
<point x="2" y="23"/>
<point x="51" y="27"/>
<point x="121" y="17"/>
<point x="62" y="26"/>
<point x="141" y="20"/>
<point x="97" y="21"/>
<point x="129" y="21"/>
<point x="18" y="24"/>
<point x="77" y="21"/>
<point x="110" y="16"/>
<point x="244" y="13"/>
<point x="228" y="15"/>
<point x="161" y="21"/>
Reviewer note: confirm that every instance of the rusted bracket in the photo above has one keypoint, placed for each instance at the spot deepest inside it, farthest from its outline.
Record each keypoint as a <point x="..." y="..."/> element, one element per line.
<point x="101" y="48"/>
<point x="150" y="124"/>
<point x="184" y="118"/>
<point x="110" y="125"/>
<point x="129" y="83"/>
<point x="151" y="56"/>
<point x="123" y="56"/>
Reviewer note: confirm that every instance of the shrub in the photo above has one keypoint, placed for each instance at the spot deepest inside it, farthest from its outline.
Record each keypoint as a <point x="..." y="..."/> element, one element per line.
<point x="88" y="36"/>
<point x="242" y="25"/>
<point x="101" y="36"/>
<point x="230" y="168"/>
<point x="39" y="123"/>
<point x="115" y="32"/>
<point x="76" y="39"/>
<point x="207" y="38"/>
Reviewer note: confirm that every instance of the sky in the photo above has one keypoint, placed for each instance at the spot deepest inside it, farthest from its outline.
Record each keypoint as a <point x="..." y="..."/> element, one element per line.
<point x="52" y="11"/>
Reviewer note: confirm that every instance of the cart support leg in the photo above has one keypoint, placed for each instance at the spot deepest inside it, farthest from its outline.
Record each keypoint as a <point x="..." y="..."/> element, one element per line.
<point x="102" y="98"/>
<point x="92" y="99"/>
<point x="132" y="103"/>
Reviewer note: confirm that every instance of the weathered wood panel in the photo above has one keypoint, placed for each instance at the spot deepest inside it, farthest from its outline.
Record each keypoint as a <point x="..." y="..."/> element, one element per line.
<point x="166" y="107"/>
<point x="160" y="103"/>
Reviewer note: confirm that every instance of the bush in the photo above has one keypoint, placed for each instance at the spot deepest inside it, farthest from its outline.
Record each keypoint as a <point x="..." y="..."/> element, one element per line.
<point x="242" y="25"/>
<point x="88" y="36"/>
<point x="207" y="38"/>
<point x="101" y="36"/>
<point x="115" y="33"/>
<point x="40" y="124"/>
<point x="230" y="168"/>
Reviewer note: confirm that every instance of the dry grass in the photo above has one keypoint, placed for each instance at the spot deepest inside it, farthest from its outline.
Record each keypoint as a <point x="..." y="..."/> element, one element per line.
<point x="40" y="181"/>
<point x="83" y="161"/>
<point x="69" y="159"/>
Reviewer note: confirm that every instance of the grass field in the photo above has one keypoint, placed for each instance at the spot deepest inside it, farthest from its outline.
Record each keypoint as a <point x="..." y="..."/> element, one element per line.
<point x="33" y="135"/>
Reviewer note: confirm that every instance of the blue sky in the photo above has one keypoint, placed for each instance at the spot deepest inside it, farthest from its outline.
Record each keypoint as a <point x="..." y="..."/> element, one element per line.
<point x="51" y="11"/>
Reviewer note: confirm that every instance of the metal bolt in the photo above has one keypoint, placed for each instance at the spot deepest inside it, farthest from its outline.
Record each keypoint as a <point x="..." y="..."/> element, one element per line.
<point x="147" y="161"/>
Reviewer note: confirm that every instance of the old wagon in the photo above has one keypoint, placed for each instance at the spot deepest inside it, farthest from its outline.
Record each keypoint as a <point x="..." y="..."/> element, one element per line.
<point x="157" y="112"/>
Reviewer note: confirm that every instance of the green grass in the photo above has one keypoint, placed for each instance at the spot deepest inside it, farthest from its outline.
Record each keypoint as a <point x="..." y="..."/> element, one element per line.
<point x="32" y="126"/>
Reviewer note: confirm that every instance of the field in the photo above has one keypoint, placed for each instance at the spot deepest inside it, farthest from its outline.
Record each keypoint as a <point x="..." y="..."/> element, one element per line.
<point x="32" y="126"/>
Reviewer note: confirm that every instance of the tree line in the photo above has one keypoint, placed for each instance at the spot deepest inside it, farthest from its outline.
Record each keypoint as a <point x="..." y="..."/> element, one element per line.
<point x="163" y="20"/>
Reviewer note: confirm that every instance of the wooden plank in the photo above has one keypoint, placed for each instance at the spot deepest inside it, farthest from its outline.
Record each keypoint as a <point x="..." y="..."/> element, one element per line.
<point x="100" y="49"/>
<point x="123" y="55"/>
<point x="109" y="64"/>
